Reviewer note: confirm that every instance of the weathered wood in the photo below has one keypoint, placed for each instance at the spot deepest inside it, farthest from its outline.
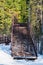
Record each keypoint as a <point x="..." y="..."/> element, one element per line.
<point x="21" y="41"/>
<point x="26" y="58"/>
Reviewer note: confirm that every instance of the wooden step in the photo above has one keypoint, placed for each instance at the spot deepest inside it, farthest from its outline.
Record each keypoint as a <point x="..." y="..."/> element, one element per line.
<point x="28" y="58"/>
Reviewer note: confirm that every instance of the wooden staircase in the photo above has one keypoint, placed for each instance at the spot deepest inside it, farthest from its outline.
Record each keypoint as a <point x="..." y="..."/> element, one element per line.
<point x="22" y="43"/>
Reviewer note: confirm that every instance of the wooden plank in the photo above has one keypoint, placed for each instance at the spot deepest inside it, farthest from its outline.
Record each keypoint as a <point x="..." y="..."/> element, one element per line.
<point x="28" y="58"/>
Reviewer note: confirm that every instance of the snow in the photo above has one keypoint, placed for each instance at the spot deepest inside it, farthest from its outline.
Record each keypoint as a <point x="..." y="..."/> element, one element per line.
<point x="5" y="48"/>
<point x="6" y="59"/>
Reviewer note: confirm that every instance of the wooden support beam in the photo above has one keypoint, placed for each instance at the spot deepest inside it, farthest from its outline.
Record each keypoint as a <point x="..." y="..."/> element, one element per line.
<point x="27" y="58"/>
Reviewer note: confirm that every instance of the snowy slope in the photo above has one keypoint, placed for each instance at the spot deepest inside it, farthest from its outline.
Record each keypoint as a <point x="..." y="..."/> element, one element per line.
<point x="6" y="59"/>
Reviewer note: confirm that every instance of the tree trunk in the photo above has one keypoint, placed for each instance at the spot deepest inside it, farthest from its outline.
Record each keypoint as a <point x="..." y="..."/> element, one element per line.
<point x="41" y="47"/>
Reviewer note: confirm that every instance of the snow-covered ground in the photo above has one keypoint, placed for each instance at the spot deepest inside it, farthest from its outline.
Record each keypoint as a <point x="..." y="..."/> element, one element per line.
<point x="6" y="59"/>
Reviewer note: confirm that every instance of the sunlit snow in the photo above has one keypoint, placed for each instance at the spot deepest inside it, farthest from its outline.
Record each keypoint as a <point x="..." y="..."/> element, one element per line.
<point x="6" y="59"/>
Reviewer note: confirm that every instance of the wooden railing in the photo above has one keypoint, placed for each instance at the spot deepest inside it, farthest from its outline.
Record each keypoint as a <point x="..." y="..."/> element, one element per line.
<point x="21" y="39"/>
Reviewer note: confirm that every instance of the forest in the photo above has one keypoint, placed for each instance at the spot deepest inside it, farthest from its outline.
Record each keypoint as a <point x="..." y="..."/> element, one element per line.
<point x="21" y="32"/>
<point x="8" y="8"/>
<point x="24" y="10"/>
<point x="28" y="12"/>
